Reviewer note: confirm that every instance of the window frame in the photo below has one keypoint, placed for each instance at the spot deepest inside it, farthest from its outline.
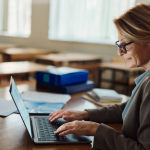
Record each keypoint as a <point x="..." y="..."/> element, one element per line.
<point x="4" y="31"/>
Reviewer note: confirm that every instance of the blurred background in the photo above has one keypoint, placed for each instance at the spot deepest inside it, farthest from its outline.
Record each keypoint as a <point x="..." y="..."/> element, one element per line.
<point x="65" y="26"/>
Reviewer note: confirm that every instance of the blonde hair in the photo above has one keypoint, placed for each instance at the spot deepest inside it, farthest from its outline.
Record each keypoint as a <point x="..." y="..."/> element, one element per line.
<point x="134" y="24"/>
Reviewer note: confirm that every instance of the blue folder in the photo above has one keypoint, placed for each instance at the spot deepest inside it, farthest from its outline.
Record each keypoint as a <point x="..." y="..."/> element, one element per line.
<point x="68" y="89"/>
<point x="42" y="108"/>
<point x="62" y="76"/>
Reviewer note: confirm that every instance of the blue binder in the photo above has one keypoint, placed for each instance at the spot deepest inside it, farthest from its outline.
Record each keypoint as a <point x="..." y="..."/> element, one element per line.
<point x="68" y="89"/>
<point x="62" y="76"/>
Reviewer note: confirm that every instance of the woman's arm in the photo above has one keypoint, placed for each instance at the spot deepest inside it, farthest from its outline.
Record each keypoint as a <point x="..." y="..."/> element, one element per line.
<point x="111" y="114"/>
<point x="109" y="139"/>
<point x="69" y="115"/>
<point x="106" y="138"/>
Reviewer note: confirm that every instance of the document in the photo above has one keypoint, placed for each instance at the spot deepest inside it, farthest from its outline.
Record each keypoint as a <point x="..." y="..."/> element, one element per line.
<point x="105" y="104"/>
<point x="42" y="108"/>
<point x="105" y="95"/>
<point x="6" y="107"/>
<point x="46" y="108"/>
<point x="45" y="97"/>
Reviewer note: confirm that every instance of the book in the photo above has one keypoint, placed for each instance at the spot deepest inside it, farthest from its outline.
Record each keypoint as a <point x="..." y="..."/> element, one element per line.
<point x="104" y="104"/>
<point x="62" y="76"/>
<point x="104" y="95"/>
<point x="68" y="89"/>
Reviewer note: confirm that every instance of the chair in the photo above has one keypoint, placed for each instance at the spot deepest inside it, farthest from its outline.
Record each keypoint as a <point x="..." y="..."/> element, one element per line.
<point x="121" y="75"/>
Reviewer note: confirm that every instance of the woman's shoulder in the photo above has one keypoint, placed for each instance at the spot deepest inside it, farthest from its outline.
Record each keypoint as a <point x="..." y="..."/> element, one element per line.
<point x="147" y="79"/>
<point x="145" y="86"/>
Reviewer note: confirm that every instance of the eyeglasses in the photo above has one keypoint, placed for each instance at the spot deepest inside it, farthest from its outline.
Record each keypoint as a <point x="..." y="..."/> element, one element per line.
<point x="122" y="47"/>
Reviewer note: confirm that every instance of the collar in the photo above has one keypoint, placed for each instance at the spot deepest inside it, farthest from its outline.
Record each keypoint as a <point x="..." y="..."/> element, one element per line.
<point x="138" y="79"/>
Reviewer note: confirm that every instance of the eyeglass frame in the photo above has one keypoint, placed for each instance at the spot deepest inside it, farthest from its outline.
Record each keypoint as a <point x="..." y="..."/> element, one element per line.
<point x="122" y="46"/>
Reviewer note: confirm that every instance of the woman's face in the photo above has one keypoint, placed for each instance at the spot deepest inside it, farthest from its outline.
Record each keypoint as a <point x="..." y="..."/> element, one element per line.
<point x="138" y="55"/>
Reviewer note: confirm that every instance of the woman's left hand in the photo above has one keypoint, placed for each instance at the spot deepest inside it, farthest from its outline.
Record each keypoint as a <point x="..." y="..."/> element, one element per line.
<point x="78" y="127"/>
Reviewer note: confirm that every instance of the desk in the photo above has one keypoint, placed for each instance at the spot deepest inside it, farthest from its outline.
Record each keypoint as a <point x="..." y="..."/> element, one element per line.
<point x="64" y="59"/>
<point x="15" y="54"/>
<point x="14" y="136"/>
<point x="121" y="67"/>
<point x="75" y="60"/>
<point x="8" y="69"/>
<point x="3" y="47"/>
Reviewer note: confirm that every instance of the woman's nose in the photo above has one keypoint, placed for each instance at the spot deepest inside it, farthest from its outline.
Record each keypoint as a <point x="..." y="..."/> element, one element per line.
<point x="119" y="52"/>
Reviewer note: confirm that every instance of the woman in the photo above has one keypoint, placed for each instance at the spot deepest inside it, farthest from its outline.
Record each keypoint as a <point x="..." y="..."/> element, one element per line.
<point x="134" y="45"/>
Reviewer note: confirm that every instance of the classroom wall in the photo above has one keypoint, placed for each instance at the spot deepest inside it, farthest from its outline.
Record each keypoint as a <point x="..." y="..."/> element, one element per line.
<point x="39" y="36"/>
<point x="142" y="1"/>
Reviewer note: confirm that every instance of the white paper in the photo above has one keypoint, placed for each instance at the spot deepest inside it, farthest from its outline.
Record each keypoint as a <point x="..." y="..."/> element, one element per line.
<point x="43" y="109"/>
<point x="45" y="97"/>
<point x="6" y="107"/>
<point x="64" y="70"/>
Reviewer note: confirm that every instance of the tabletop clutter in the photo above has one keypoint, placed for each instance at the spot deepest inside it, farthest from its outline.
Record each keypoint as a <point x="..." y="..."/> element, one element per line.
<point x="64" y="80"/>
<point x="61" y="81"/>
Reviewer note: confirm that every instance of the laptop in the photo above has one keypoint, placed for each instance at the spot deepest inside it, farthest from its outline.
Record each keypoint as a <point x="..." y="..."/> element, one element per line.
<point x="40" y="129"/>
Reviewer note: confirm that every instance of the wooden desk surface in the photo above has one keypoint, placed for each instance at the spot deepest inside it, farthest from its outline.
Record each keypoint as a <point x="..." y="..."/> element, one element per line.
<point x="12" y="54"/>
<point x="119" y="66"/>
<point x="11" y="68"/>
<point x="14" y="136"/>
<point x="69" y="57"/>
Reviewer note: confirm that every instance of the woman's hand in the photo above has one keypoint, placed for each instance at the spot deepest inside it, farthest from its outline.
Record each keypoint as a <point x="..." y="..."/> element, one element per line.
<point x="78" y="127"/>
<point x="69" y="115"/>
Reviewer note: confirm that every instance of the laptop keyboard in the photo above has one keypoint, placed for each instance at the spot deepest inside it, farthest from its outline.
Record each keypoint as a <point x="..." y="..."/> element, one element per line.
<point x="45" y="130"/>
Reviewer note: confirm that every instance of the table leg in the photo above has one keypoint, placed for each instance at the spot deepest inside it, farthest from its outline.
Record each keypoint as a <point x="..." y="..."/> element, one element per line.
<point x="6" y="58"/>
<point x="100" y="77"/>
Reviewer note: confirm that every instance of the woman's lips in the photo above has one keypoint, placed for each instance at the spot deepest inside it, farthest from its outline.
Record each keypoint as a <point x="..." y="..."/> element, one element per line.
<point x="127" y="59"/>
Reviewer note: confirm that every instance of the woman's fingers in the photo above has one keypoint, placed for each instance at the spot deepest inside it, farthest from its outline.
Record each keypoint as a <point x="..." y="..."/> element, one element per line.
<point x="58" y="114"/>
<point x="56" y="117"/>
<point x="70" y="131"/>
<point x="78" y="127"/>
<point x="68" y="115"/>
<point x="63" y="128"/>
<point x="55" y="112"/>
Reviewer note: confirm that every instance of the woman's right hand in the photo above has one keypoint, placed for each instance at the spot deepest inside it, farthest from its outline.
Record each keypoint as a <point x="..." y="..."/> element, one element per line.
<point x="69" y="115"/>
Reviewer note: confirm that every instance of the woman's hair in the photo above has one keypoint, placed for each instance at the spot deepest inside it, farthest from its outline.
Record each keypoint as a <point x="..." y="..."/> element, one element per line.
<point x="134" y="24"/>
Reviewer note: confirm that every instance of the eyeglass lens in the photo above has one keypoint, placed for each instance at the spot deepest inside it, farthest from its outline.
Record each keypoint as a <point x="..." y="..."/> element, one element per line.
<point x="122" y="48"/>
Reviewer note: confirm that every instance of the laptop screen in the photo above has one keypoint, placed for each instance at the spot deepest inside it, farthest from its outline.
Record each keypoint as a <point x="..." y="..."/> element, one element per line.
<point x="20" y="105"/>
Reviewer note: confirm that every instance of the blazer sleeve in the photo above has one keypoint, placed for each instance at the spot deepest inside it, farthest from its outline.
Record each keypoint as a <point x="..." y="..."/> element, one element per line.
<point x="106" y="138"/>
<point x="109" y="139"/>
<point x="111" y="114"/>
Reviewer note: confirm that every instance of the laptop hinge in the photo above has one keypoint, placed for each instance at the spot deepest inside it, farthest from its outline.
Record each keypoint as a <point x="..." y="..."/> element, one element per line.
<point x="32" y="129"/>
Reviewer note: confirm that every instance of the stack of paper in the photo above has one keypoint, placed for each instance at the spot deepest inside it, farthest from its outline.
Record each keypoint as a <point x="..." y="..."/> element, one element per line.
<point x="98" y="103"/>
<point x="103" y="97"/>
<point x="6" y="107"/>
<point x="42" y="102"/>
<point x="45" y="97"/>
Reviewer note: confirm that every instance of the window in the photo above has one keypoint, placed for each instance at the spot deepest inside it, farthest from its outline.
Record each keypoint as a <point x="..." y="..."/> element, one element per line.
<point x="15" y="18"/>
<point x="85" y="20"/>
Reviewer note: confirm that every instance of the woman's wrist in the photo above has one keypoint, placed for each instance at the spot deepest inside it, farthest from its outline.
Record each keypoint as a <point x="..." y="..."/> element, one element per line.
<point x="94" y="128"/>
<point x="86" y="115"/>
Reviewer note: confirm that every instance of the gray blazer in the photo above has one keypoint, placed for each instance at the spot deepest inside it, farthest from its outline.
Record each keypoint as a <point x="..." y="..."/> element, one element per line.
<point x="135" y="134"/>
